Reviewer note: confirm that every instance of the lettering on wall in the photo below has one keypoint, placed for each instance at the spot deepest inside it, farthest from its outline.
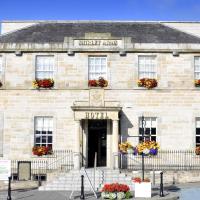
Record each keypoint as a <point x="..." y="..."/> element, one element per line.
<point x="96" y="115"/>
<point x="97" y="43"/>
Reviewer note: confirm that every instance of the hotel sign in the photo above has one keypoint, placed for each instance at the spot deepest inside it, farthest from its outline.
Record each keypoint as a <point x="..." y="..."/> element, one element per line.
<point x="78" y="115"/>
<point x="96" y="43"/>
<point x="96" y="115"/>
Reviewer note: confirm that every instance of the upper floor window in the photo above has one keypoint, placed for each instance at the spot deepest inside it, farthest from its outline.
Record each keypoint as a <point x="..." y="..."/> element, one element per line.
<point x="44" y="67"/>
<point x="1" y="65"/>
<point x="97" y="67"/>
<point x="43" y="131"/>
<point x="197" y="67"/>
<point x="150" y="126"/>
<point x="197" y="131"/>
<point x="147" y="67"/>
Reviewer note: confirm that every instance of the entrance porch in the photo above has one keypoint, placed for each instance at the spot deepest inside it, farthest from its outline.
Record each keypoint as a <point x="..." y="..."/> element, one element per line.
<point x="97" y="130"/>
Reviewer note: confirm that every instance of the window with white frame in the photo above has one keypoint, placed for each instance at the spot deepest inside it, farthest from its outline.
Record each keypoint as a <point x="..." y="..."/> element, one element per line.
<point x="44" y="67"/>
<point x="43" y="131"/>
<point x="147" y="67"/>
<point x="1" y="65"/>
<point x="97" y="67"/>
<point x="150" y="126"/>
<point x="197" y="131"/>
<point x="197" y="67"/>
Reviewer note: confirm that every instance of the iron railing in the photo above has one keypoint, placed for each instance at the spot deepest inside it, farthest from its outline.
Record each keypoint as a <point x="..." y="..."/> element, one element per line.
<point x="60" y="160"/>
<point x="164" y="160"/>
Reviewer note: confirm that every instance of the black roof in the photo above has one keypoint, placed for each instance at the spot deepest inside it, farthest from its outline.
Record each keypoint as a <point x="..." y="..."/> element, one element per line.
<point x="140" y="32"/>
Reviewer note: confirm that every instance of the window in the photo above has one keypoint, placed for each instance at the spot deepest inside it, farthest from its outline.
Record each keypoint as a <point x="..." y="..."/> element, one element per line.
<point x="97" y="67"/>
<point x="197" y="131"/>
<point x="150" y="125"/>
<point x="43" y="131"/>
<point x="44" y="67"/>
<point x="147" y="67"/>
<point x="197" y="68"/>
<point x="1" y="65"/>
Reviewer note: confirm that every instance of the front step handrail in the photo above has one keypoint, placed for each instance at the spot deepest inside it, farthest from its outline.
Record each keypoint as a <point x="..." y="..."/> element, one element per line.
<point x="82" y="172"/>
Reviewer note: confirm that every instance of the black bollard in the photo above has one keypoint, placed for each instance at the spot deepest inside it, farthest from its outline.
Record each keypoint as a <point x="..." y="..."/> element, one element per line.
<point x="9" y="189"/>
<point x="82" y="188"/>
<point x="161" y="185"/>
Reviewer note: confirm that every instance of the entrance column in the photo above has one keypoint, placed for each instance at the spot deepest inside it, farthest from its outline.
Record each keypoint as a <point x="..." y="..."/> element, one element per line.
<point x="115" y="136"/>
<point x="77" y="152"/>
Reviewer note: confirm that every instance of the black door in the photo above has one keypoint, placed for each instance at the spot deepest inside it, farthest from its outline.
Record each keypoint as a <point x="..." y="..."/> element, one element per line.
<point x="97" y="135"/>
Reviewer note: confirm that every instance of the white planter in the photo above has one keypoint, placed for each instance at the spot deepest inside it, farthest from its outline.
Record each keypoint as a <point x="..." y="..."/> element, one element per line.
<point x="143" y="189"/>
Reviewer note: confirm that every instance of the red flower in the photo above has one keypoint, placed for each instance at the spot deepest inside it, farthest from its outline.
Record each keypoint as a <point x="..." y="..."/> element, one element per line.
<point x="40" y="151"/>
<point x="115" y="187"/>
<point x="101" y="82"/>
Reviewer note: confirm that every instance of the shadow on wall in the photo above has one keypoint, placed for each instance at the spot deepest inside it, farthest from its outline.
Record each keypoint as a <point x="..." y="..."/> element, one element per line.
<point x="125" y="124"/>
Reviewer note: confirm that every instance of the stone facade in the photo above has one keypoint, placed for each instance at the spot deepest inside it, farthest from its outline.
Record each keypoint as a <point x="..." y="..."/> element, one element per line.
<point x="175" y="102"/>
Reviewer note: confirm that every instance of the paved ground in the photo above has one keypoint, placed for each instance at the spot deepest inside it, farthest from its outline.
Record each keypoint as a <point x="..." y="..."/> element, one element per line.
<point x="190" y="191"/>
<point x="34" y="194"/>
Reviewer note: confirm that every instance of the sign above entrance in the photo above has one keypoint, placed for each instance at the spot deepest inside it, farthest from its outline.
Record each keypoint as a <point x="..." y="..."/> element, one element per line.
<point x="96" y="115"/>
<point x="101" y="115"/>
<point x="97" y="43"/>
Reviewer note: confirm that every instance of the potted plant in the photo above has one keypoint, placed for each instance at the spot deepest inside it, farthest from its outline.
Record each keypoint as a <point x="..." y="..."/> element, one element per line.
<point x="101" y="82"/>
<point x="142" y="187"/>
<point x="148" y="148"/>
<point x="149" y="83"/>
<point x="43" y="83"/>
<point x="126" y="147"/>
<point x="115" y="191"/>
<point x="41" y="150"/>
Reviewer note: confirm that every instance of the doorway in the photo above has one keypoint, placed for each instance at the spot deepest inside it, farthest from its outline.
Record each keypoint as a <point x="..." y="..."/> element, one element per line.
<point x="97" y="140"/>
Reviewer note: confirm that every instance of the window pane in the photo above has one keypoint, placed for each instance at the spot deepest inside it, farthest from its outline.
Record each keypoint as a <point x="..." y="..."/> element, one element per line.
<point x="150" y="127"/>
<point x="97" y="67"/>
<point x="147" y="66"/>
<point x="49" y="139"/>
<point x="44" y="127"/>
<point x="44" y="67"/>
<point x="153" y="131"/>
<point x="198" y="140"/>
<point x="147" y="131"/>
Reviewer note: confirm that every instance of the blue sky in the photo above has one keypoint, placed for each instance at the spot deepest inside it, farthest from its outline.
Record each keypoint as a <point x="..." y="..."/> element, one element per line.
<point x="185" y="10"/>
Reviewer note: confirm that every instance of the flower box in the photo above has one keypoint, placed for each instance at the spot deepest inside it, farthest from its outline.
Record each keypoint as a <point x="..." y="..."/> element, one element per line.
<point x="147" y="148"/>
<point x="149" y="83"/>
<point x="41" y="150"/>
<point x="43" y="83"/>
<point x="115" y="191"/>
<point x="197" y="83"/>
<point x="197" y="150"/>
<point x="143" y="189"/>
<point x="101" y="82"/>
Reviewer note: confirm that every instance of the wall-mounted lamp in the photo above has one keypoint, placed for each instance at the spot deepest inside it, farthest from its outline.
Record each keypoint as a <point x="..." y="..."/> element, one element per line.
<point x="18" y="53"/>
<point x="122" y="53"/>
<point x="175" y="53"/>
<point x="70" y="53"/>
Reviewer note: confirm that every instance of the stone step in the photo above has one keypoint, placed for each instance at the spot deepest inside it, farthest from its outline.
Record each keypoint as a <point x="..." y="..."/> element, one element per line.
<point x="64" y="180"/>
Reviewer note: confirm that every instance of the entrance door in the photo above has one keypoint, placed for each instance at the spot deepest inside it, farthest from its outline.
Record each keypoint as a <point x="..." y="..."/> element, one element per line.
<point x="97" y="139"/>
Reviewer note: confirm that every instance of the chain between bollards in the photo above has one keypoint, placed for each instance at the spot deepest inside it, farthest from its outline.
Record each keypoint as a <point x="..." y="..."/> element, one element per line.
<point x="82" y="188"/>
<point x="9" y="189"/>
<point x="161" y="185"/>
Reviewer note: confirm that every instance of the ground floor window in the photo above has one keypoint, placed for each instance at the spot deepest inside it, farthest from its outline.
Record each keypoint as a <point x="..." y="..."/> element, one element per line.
<point x="197" y="131"/>
<point x="43" y="131"/>
<point x="150" y="126"/>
